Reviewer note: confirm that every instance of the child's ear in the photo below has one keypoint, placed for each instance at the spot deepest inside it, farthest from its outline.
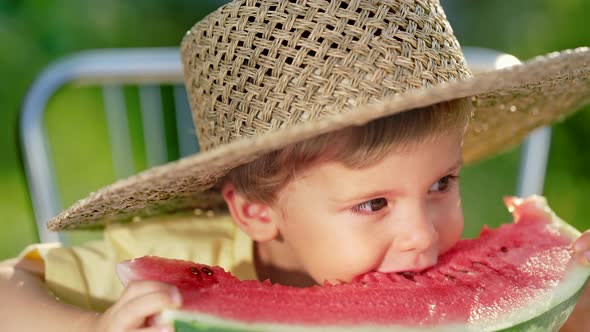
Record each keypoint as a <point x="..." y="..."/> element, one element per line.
<point x="253" y="218"/>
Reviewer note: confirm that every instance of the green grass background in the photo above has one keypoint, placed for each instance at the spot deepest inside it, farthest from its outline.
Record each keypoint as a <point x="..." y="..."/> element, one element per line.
<point x="34" y="34"/>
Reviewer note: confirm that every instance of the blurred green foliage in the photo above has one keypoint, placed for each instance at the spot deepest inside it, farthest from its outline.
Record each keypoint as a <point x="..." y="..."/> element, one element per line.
<point x="33" y="34"/>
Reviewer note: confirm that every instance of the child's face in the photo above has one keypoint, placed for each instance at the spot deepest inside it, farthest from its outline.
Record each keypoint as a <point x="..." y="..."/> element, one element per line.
<point x="397" y="215"/>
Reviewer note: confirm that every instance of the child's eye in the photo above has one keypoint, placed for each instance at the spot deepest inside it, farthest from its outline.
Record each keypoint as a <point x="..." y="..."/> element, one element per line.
<point x="443" y="184"/>
<point x="371" y="206"/>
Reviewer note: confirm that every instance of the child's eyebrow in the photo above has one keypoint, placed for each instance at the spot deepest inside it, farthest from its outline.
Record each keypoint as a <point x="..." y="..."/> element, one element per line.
<point x="366" y="196"/>
<point x="455" y="166"/>
<point x="389" y="193"/>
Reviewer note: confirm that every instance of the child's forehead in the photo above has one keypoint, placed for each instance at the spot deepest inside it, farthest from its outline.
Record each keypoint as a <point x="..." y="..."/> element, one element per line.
<point x="424" y="158"/>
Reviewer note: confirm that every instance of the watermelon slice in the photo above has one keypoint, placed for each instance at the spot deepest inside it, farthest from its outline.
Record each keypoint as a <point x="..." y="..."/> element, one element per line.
<point x="519" y="277"/>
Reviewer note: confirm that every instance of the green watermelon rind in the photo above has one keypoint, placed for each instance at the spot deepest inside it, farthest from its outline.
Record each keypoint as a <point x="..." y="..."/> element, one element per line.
<point x="547" y="312"/>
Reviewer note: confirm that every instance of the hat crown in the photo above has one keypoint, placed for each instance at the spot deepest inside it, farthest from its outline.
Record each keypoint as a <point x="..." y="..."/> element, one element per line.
<point x="255" y="66"/>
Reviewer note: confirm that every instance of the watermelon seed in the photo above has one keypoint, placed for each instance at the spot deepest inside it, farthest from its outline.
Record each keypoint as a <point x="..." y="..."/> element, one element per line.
<point x="195" y="271"/>
<point x="504" y="249"/>
<point x="207" y="271"/>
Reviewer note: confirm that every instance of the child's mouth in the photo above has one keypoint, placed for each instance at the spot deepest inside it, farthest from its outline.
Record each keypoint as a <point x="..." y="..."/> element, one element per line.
<point x="416" y="265"/>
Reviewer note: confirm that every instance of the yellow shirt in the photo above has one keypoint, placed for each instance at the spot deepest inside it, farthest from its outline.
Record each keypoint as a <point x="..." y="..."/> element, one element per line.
<point x="85" y="275"/>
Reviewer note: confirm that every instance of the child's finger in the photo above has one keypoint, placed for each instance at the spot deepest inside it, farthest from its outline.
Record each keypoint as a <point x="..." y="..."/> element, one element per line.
<point x="582" y="243"/>
<point x="583" y="258"/>
<point x="140" y="288"/>
<point x="582" y="248"/>
<point x="133" y="313"/>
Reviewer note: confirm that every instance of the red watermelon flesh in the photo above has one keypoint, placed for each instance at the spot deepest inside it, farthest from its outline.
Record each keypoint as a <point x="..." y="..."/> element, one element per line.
<point x="477" y="280"/>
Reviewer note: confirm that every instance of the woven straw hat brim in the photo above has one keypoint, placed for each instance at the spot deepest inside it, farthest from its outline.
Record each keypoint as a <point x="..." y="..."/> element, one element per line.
<point x="508" y="104"/>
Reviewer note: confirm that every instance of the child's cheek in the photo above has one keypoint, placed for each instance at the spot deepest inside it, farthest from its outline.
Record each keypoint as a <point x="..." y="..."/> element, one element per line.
<point x="450" y="230"/>
<point x="353" y="257"/>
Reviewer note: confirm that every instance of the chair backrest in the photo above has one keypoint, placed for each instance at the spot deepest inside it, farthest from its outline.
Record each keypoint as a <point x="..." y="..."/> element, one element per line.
<point x="148" y="69"/>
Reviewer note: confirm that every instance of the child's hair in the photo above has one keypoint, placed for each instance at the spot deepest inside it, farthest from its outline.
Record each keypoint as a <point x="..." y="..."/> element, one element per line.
<point x="355" y="147"/>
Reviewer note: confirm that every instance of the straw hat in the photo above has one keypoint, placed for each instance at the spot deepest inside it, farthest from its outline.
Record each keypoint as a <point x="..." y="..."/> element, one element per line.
<point x="262" y="74"/>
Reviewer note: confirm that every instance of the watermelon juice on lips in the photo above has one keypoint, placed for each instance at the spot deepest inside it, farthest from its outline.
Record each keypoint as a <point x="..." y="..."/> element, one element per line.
<point x="519" y="277"/>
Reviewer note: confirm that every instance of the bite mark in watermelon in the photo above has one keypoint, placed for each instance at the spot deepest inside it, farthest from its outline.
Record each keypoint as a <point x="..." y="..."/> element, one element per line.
<point x="519" y="277"/>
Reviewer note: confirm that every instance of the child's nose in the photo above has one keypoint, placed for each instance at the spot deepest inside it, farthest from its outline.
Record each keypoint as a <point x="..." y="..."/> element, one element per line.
<point x="417" y="232"/>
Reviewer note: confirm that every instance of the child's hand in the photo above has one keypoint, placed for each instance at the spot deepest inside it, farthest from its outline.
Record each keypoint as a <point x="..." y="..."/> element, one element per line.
<point x="582" y="248"/>
<point x="580" y="320"/>
<point x="139" y="301"/>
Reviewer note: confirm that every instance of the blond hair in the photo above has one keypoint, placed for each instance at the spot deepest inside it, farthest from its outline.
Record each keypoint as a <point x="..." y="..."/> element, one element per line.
<point x="355" y="147"/>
